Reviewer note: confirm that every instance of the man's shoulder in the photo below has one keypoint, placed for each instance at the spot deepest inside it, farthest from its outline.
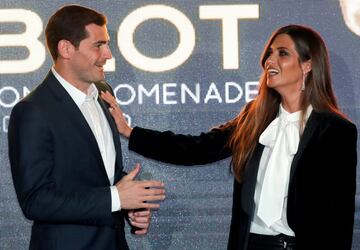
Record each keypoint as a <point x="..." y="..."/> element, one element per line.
<point x="41" y="94"/>
<point x="35" y="95"/>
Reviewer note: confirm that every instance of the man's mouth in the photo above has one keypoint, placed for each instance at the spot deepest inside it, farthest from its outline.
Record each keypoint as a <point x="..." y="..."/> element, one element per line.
<point x="101" y="67"/>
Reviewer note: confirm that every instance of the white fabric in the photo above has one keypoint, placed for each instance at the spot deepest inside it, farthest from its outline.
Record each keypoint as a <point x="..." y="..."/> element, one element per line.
<point x="257" y="225"/>
<point x="95" y="117"/>
<point x="282" y="136"/>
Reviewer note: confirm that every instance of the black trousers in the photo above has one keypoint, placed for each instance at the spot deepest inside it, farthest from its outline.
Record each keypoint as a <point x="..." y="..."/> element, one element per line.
<point x="268" y="242"/>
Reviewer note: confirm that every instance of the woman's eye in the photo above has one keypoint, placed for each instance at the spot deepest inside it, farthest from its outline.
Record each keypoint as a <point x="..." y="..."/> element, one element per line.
<point x="283" y="53"/>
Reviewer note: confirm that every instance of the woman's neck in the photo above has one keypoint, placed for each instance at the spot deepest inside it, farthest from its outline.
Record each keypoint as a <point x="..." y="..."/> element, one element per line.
<point x="291" y="104"/>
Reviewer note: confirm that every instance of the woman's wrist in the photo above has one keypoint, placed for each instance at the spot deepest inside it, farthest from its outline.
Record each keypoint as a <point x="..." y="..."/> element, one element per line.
<point x="127" y="131"/>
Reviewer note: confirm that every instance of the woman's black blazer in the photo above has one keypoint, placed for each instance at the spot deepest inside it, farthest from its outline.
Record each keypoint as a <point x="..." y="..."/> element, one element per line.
<point x="321" y="195"/>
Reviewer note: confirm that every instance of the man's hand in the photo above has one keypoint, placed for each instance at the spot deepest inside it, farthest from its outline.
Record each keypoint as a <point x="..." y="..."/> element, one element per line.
<point x="140" y="220"/>
<point x="139" y="194"/>
<point x="121" y="124"/>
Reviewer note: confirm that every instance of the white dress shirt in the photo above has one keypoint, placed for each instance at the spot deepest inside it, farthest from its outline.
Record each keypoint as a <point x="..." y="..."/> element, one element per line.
<point x="279" y="129"/>
<point x="95" y="117"/>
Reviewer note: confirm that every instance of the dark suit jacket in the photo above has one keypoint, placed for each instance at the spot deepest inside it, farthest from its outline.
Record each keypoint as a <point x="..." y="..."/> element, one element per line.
<point x="59" y="175"/>
<point x="321" y="195"/>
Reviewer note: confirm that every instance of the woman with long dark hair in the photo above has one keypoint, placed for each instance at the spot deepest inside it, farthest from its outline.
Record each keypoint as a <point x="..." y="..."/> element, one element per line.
<point x="293" y="152"/>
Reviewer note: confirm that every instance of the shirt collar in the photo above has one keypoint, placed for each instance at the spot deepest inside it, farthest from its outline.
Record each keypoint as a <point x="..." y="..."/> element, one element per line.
<point x="77" y="95"/>
<point x="291" y="117"/>
<point x="289" y="121"/>
<point x="295" y="116"/>
<point x="92" y="92"/>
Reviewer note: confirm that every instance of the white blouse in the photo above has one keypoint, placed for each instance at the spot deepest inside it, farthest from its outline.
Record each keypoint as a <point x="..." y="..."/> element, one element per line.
<point x="281" y="140"/>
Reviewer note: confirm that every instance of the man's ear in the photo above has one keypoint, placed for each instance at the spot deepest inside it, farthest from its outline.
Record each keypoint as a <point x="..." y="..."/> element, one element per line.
<point x="65" y="49"/>
<point x="306" y="66"/>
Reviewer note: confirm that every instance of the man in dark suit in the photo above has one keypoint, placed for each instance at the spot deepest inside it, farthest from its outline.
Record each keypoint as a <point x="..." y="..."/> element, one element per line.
<point x="64" y="148"/>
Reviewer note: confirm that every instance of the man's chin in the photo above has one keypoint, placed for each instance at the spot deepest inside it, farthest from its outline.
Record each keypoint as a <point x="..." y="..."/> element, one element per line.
<point x="99" y="78"/>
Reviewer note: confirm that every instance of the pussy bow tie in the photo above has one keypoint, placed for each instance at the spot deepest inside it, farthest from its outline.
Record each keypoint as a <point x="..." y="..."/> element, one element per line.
<point x="282" y="136"/>
<point x="285" y="123"/>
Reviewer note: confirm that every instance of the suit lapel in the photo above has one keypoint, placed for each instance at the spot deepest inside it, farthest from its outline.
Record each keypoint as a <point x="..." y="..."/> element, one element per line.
<point x="251" y="170"/>
<point x="309" y="130"/>
<point x="250" y="175"/>
<point x="73" y="114"/>
<point x="115" y="134"/>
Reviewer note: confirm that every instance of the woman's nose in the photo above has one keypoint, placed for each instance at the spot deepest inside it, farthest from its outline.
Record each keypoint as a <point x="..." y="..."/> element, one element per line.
<point x="269" y="61"/>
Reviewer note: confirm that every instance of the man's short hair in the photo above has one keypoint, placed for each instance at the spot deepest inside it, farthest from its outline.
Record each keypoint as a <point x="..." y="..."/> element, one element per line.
<point x="68" y="23"/>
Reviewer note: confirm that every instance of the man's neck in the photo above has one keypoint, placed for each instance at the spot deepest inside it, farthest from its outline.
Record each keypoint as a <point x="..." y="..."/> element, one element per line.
<point x="64" y="73"/>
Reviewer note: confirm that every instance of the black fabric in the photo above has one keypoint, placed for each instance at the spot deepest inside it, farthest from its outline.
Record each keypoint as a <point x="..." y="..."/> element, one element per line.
<point x="59" y="175"/>
<point x="321" y="194"/>
<point x="268" y="242"/>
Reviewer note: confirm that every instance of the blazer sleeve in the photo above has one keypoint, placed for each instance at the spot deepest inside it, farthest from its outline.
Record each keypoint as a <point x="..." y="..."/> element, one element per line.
<point x="31" y="154"/>
<point x="340" y="142"/>
<point x="181" y="149"/>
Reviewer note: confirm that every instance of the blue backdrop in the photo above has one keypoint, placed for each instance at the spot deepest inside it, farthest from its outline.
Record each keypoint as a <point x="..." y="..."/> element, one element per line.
<point x="184" y="65"/>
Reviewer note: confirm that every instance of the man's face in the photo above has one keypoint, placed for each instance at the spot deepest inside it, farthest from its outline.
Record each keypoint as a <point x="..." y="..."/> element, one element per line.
<point x="87" y="61"/>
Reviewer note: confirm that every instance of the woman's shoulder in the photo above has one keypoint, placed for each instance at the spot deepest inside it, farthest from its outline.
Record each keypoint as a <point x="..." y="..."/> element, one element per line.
<point x="335" y="119"/>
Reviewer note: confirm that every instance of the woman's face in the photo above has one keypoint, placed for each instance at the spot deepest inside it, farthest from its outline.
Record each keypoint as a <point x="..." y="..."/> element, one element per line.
<point x="283" y="69"/>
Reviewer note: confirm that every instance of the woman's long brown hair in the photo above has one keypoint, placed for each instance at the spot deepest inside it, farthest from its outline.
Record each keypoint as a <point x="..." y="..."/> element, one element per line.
<point x="257" y="115"/>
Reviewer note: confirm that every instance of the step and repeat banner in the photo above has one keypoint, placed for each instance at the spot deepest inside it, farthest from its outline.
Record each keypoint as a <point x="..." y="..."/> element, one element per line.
<point x="183" y="65"/>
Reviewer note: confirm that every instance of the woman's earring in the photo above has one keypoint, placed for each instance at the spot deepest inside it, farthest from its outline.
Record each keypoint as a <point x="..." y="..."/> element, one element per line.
<point x="303" y="84"/>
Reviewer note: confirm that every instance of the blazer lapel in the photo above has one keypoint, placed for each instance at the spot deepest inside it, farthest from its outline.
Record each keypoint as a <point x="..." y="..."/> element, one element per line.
<point x="250" y="175"/>
<point x="251" y="170"/>
<point x="309" y="130"/>
<point x="115" y="134"/>
<point x="74" y="115"/>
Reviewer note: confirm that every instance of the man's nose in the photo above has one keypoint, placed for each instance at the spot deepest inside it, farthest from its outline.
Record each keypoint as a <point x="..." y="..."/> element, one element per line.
<point x="107" y="52"/>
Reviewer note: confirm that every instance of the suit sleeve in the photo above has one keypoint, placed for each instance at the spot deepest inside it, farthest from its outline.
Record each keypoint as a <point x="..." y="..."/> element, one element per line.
<point x="31" y="154"/>
<point x="181" y="149"/>
<point x="340" y="143"/>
